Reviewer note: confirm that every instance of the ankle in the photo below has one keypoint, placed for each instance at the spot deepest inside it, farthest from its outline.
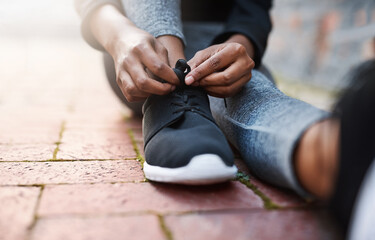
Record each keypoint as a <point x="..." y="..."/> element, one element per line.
<point x="316" y="158"/>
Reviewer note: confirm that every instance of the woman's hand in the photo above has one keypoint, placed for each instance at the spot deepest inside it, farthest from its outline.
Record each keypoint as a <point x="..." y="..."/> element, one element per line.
<point x="221" y="69"/>
<point x="136" y="53"/>
<point x="140" y="60"/>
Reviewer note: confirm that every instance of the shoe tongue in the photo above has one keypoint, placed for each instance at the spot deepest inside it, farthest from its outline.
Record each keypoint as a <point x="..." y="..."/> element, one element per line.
<point x="181" y="69"/>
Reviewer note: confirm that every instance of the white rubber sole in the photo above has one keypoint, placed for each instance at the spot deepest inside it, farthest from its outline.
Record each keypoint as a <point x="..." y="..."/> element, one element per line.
<point x="202" y="170"/>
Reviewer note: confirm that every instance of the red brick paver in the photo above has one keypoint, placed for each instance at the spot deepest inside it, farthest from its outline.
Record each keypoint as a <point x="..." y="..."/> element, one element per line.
<point x="17" y="206"/>
<point x="99" y="150"/>
<point x="141" y="197"/>
<point x="266" y="225"/>
<point x="88" y="135"/>
<point x="30" y="152"/>
<point x="16" y="131"/>
<point x="29" y="173"/>
<point x="99" y="228"/>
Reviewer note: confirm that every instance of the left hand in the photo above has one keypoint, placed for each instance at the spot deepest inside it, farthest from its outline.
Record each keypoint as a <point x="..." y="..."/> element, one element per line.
<point x="221" y="69"/>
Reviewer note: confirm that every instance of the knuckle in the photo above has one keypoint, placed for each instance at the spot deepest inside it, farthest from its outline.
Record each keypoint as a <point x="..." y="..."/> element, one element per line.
<point x="249" y="64"/>
<point x="227" y="78"/>
<point x="120" y="78"/>
<point x="142" y="82"/>
<point x="198" y="54"/>
<point x="126" y="61"/>
<point x="158" y="67"/>
<point x="140" y="47"/>
<point x="239" y="48"/>
<point x="214" y="63"/>
<point x="164" y="51"/>
<point x="137" y="48"/>
<point x="197" y="73"/>
<point x="242" y="50"/>
<point x="127" y="90"/>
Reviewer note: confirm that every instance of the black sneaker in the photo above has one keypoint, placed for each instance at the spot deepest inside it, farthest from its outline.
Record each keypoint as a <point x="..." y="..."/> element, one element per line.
<point x="182" y="142"/>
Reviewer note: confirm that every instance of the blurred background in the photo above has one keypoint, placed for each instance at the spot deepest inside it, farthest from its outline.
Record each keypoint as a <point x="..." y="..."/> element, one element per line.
<point x="45" y="66"/>
<point x="319" y="41"/>
<point x="313" y="45"/>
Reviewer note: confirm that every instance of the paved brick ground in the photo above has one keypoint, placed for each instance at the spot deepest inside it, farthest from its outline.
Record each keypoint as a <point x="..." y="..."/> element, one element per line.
<point x="69" y="162"/>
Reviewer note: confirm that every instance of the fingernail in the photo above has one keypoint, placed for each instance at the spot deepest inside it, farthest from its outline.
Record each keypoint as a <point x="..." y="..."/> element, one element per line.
<point x="189" y="80"/>
<point x="173" y="88"/>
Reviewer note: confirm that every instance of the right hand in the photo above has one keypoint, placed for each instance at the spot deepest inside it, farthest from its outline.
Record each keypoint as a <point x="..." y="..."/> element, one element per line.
<point x="222" y="69"/>
<point x="140" y="60"/>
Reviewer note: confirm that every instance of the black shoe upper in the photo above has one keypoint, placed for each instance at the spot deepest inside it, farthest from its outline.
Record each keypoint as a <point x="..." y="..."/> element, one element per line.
<point x="179" y="126"/>
<point x="161" y="111"/>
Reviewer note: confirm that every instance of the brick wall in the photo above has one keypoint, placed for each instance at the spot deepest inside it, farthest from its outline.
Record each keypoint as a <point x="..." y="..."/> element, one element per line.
<point x="319" y="41"/>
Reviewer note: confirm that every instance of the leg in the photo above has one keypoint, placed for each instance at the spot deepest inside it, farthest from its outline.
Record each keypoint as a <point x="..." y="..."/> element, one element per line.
<point x="136" y="107"/>
<point x="265" y="125"/>
<point x="329" y="155"/>
<point x="316" y="158"/>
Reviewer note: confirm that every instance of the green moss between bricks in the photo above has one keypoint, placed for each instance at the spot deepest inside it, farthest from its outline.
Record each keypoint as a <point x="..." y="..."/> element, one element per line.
<point x="58" y="143"/>
<point x="140" y="158"/>
<point x="267" y="202"/>
<point x="164" y="228"/>
<point x="35" y="215"/>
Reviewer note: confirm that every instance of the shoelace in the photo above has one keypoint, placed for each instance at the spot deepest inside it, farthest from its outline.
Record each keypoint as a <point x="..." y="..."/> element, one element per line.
<point x="182" y="101"/>
<point x="183" y="97"/>
<point x="182" y="69"/>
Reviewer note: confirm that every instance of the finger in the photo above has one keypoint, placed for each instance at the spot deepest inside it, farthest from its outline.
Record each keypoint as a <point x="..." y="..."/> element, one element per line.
<point x="200" y="56"/>
<point x="146" y="84"/>
<point x="213" y="64"/>
<point x="228" y="91"/>
<point x="128" y="88"/>
<point x="226" y="77"/>
<point x="156" y="65"/>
